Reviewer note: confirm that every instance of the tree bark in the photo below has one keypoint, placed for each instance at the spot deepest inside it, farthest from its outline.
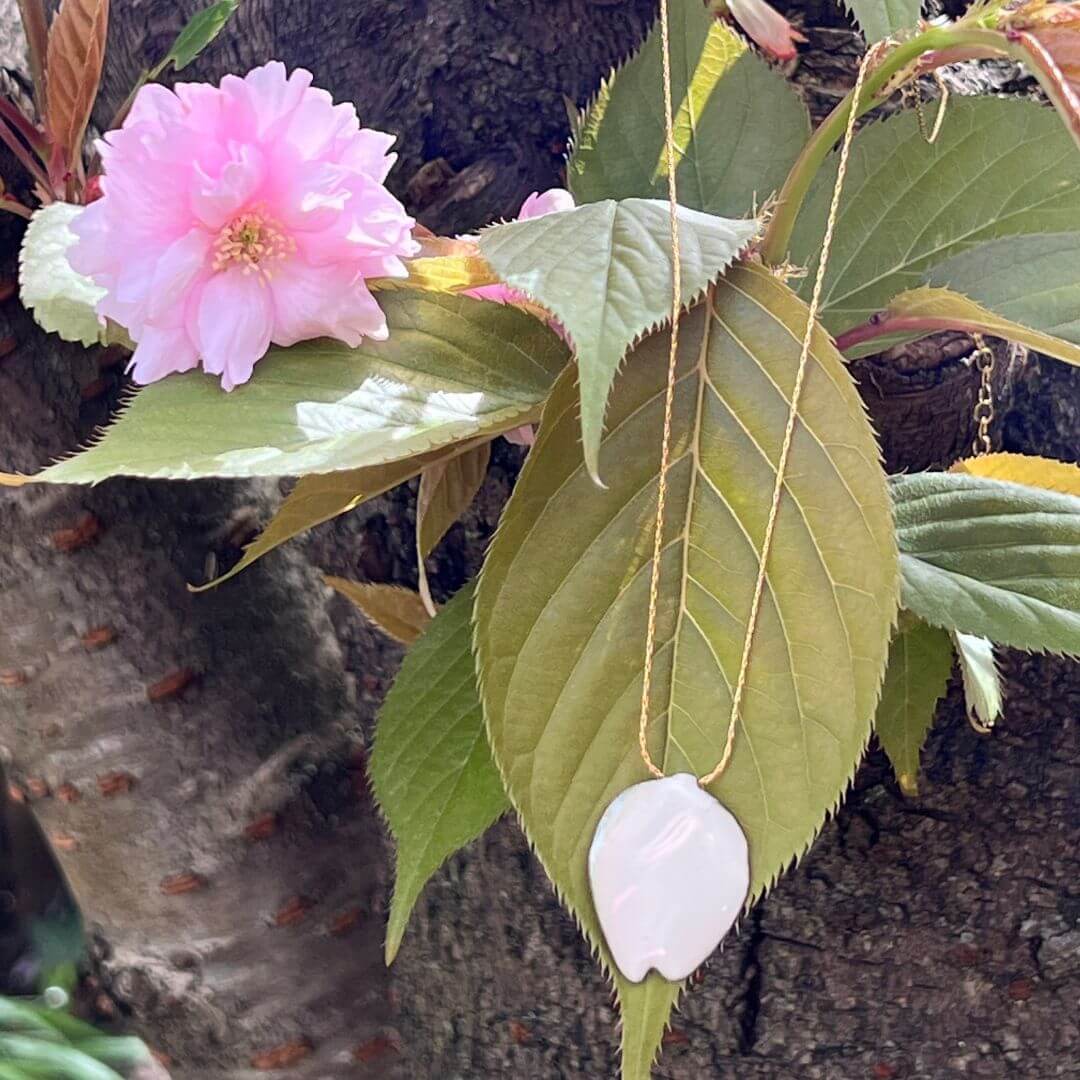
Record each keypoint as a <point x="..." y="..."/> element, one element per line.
<point x="928" y="937"/>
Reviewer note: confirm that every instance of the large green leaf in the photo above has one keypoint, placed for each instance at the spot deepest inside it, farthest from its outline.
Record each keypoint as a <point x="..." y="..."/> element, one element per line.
<point x="452" y="368"/>
<point x="879" y="19"/>
<point x="604" y="270"/>
<point x="739" y="125"/>
<point x="984" y="557"/>
<point x="920" y="662"/>
<point x="1034" y="280"/>
<point x="908" y="205"/>
<point x="431" y="768"/>
<point x="561" y="606"/>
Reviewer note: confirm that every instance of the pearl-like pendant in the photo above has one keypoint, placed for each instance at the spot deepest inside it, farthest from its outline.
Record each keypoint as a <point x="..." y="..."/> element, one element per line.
<point x="669" y="870"/>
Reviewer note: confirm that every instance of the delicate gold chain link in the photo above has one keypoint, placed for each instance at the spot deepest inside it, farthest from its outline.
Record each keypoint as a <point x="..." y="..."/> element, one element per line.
<point x="983" y="360"/>
<point x="913" y="94"/>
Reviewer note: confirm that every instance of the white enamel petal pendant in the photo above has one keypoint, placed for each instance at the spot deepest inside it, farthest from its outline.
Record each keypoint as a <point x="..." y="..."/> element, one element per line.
<point x="669" y="870"/>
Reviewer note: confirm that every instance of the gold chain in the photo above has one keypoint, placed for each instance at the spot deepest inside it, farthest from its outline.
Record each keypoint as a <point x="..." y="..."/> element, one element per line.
<point x="983" y="359"/>
<point x="673" y="358"/>
<point x="913" y="94"/>
<point x="789" y="431"/>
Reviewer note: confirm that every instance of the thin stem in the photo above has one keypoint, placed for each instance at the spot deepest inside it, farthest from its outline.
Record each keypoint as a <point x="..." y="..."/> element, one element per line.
<point x="920" y="325"/>
<point x="879" y="84"/>
<point x="36" y="28"/>
<point x="15" y="145"/>
<point x="12" y="206"/>
<point x="22" y="124"/>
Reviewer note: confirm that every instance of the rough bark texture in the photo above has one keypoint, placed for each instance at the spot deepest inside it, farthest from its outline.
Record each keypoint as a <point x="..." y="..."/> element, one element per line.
<point x="929" y="937"/>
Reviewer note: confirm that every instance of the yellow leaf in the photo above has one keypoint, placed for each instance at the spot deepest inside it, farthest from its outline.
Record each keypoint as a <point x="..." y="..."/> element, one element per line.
<point x="397" y="612"/>
<point x="444" y="264"/>
<point x="75" y="57"/>
<point x="1024" y="469"/>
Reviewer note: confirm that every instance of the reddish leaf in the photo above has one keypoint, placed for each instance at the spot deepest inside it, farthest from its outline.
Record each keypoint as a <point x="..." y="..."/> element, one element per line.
<point x="73" y="71"/>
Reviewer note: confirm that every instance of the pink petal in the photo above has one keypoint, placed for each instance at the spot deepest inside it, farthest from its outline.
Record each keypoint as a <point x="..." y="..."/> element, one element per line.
<point x="216" y="200"/>
<point x="323" y="301"/>
<point x="233" y="325"/>
<point x="160" y="353"/>
<point x="177" y="268"/>
<point x="551" y="202"/>
<point x="766" y="26"/>
<point x="153" y="104"/>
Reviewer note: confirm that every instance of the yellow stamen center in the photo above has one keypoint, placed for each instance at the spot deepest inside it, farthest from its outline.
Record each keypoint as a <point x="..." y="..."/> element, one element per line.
<point x="251" y="241"/>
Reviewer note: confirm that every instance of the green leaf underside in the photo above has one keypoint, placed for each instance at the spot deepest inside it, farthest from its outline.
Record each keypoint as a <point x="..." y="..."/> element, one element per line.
<point x="994" y="559"/>
<point x="561" y="607"/>
<point x="878" y="19"/>
<point x="1033" y="280"/>
<point x="739" y="125"/>
<point x="431" y="769"/>
<point x="909" y="206"/>
<point x="920" y="662"/>
<point x="604" y="271"/>
<point x="452" y="368"/>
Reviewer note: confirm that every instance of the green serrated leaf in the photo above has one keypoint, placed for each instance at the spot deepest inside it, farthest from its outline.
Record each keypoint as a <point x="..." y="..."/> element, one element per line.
<point x="981" y="678"/>
<point x="604" y="271"/>
<point x="201" y="29"/>
<point x="562" y="602"/>
<point x="1045" y="295"/>
<point x="431" y="769"/>
<point x="920" y="662"/>
<point x="739" y="125"/>
<point x="909" y="206"/>
<point x="994" y="559"/>
<point x="879" y="19"/>
<point x="452" y="368"/>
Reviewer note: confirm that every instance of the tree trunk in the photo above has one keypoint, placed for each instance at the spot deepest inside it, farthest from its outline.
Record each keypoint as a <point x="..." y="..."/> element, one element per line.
<point x="238" y="880"/>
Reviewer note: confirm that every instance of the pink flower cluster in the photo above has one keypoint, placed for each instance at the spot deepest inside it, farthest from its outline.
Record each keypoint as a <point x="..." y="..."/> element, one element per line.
<point x="237" y="216"/>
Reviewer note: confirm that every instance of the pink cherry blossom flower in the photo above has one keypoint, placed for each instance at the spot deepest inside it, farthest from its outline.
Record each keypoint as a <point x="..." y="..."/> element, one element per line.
<point x="237" y="216"/>
<point x="766" y="26"/>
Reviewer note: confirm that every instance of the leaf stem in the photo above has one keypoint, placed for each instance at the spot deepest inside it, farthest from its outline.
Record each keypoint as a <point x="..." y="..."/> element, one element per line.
<point x="886" y="325"/>
<point x="880" y="83"/>
<point x="36" y="28"/>
<point x="10" y="138"/>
